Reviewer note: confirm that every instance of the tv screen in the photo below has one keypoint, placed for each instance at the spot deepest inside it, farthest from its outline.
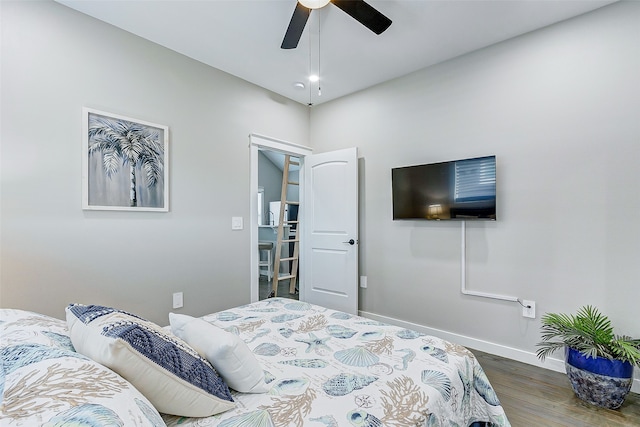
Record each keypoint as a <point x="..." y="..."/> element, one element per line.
<point x="456" y="190"/>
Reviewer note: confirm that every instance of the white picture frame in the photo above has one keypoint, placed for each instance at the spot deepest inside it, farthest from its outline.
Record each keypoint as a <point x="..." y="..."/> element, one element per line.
<point x="125" y="163"/>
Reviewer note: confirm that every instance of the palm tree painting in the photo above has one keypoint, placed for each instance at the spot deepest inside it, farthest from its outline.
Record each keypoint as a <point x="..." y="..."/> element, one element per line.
<point x="125" y="163"/>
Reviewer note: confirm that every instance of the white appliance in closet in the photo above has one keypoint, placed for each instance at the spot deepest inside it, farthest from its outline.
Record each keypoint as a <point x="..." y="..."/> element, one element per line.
<point x="274" y="213"/>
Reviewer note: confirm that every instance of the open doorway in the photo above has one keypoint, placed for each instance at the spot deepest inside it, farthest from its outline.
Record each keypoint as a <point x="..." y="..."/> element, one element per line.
<point x="278" y="178"/>
<point x="267" y="155"/>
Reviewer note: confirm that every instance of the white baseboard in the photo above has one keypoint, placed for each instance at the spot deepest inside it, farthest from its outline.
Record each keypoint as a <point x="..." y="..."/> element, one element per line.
<point x="485" y="346"/>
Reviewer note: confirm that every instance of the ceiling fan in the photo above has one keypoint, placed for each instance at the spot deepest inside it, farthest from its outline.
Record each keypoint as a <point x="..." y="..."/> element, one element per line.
<point x="357" y="9"/>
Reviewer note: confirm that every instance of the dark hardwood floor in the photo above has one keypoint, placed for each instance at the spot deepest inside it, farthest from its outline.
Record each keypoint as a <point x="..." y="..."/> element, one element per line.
<point x="266" y="286"/>
<point x="532" y="396"/>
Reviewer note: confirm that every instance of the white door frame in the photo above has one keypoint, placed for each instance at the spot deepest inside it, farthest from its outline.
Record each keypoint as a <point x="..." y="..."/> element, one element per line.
<point x="257" y="143"/>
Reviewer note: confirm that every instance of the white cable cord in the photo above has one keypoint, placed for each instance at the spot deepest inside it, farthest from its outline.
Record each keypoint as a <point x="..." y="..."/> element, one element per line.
<point x="463" y="274"/>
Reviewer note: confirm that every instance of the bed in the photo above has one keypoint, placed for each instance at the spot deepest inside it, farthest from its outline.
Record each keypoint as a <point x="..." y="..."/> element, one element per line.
<point x="320" y="367"/>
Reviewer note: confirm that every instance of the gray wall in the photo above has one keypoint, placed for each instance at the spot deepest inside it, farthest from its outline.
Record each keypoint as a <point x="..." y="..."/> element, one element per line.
<point x="560" y="109"/>
<point x="54" y="62"/>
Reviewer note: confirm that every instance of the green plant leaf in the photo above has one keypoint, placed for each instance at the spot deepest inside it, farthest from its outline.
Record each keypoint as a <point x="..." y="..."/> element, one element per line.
<point x="589" y="332"/>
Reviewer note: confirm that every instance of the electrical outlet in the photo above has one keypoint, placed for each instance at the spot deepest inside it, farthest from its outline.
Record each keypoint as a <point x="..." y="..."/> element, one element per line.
<point x="363" y="281"/>
<point x="178" y="301"/>
<point x="529" y="309"/>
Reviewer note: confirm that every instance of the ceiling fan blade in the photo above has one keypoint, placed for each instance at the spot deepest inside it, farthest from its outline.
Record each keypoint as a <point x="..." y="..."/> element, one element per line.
<point x="296" y="26"/>
<point x="365" y="14"/>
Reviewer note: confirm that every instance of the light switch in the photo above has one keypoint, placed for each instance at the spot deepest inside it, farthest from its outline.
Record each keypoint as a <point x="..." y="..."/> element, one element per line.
<point x="236" y="223"/>
<point x="178" y="301"/>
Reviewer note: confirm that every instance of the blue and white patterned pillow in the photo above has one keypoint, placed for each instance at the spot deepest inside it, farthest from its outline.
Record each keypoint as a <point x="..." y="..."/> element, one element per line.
<point x="166" y="370"/>
<point x="44" y="382"/>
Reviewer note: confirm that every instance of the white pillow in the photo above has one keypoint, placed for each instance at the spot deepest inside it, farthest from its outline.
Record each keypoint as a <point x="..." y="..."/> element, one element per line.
<point x="228" y="354"/>
<point x="168" y="372"/>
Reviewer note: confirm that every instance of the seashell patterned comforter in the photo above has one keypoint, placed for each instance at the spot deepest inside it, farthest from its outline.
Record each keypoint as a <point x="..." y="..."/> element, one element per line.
<point x="328" y="368"/>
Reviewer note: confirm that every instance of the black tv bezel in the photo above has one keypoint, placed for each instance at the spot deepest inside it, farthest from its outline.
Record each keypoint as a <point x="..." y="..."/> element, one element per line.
<point x="491" y="216"/>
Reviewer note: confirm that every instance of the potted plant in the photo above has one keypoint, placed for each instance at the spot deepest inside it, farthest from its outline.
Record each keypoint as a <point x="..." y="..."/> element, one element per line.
<point x="599" y="363"/>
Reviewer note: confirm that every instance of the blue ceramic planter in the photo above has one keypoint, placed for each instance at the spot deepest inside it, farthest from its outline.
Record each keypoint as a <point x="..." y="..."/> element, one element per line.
<point x="599" y="381"/>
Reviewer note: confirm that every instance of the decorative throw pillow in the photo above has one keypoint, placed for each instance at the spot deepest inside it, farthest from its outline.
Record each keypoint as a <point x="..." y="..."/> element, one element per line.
<point x="168" y="372"/>
<point x="44" y="382"/>
<point x="228" y="354"/>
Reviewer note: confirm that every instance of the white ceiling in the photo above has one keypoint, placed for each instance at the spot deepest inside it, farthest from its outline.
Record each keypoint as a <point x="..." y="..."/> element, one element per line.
<point x="243" y="37"/>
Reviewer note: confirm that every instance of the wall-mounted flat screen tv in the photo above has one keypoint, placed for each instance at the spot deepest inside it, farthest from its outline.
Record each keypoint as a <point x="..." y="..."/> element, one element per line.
<point x="456" y="190"/>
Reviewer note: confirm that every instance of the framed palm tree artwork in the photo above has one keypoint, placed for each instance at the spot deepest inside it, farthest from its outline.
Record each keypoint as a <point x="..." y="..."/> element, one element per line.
<point x="125" y="163"/>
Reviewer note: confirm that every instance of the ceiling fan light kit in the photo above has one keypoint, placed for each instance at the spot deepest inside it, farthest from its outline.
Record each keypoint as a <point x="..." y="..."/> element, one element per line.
<point x="314" y="4"/>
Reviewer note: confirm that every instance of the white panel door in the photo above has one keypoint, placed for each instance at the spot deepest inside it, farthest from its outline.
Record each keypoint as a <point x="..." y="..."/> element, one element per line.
<point x="330" y="230"/>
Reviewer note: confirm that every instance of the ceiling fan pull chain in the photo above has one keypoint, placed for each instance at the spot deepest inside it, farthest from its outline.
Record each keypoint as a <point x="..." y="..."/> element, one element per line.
<point x="319" y="69"/>
<point x="310" y="67"/>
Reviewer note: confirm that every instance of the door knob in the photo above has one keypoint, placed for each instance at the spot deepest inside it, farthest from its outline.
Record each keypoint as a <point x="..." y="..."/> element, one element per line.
<point x="351" y="242"/>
